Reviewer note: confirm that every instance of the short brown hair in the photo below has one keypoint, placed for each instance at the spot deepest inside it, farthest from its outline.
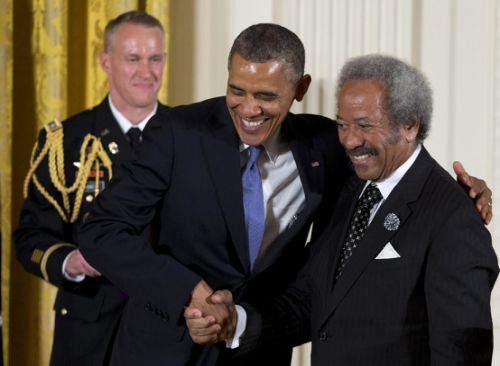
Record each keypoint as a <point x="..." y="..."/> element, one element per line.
<point x="134" y="17"/>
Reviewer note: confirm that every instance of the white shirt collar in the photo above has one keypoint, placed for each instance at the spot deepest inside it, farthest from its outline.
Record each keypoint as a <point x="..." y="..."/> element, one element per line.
<point x="273" y="146"/>
<point x="387" y="185"/>
<point x="124" y="123"/>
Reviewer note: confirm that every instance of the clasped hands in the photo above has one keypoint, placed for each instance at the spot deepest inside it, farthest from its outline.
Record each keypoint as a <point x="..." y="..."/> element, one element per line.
<point x="210" y="316"/>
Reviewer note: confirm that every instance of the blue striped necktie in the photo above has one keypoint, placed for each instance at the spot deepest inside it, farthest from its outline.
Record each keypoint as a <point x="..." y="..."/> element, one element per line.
<point x="253" y="203"/>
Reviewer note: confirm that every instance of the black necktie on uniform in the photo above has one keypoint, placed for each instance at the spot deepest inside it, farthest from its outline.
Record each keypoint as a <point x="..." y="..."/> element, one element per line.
<point x="357" y="227"/>
<point x="134" y="137"/>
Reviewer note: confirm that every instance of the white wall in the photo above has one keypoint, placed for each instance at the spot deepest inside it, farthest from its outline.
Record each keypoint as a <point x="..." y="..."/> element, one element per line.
<point x="455" y="42"/>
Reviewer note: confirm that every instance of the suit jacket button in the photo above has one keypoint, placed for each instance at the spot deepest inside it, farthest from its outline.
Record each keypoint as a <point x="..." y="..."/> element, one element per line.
<point x="64" y="311"/>
<point x="323" y="336"/>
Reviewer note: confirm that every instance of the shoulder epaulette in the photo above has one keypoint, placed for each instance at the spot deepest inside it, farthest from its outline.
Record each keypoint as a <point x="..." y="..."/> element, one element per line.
<point x="92" y="156"/>
<point x="53" y="126"/>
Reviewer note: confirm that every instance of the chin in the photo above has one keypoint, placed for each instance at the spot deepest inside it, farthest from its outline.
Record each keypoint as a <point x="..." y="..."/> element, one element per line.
<point x="251" y="142"/>
<point x="363" y="175"/>
<point x="144" y="103"/>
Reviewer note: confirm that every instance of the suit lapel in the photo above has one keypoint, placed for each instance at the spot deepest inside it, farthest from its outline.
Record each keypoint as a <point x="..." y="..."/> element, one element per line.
<point x="311" y="167"/>
<point x="340" y="224"/>
<point x="370" y="245"/>
<point x="221" y="151"/>
<point x="377" y="236"/>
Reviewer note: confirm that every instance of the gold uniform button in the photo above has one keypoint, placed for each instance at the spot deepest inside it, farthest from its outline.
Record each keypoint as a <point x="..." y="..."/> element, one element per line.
<point x="89" y="198"/>
<point x="64" y="311"/>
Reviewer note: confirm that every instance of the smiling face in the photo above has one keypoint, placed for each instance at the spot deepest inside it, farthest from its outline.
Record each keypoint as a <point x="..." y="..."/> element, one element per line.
<point x="259" y="96"/>
<point x="375" y="146"/>
<point x="134" y="66"/>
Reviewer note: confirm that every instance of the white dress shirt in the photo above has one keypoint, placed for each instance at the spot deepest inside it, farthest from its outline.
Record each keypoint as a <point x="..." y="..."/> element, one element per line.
<point x="281" y="187"/>
<point x="124" y="123"/>
<point x="387" y="185"/>
<point x="283" y="196"/>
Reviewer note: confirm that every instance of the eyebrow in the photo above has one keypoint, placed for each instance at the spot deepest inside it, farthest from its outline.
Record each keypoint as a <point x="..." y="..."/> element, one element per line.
<point x="338" y="117"/>
<point x="266" y="94"/>
<point x="261" y="93"/>
<point x="232" y="86"/>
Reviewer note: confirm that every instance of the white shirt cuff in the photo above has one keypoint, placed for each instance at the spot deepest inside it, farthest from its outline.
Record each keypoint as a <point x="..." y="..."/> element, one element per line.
<point x="77" y="278"/>
<point x="241" y="325"/>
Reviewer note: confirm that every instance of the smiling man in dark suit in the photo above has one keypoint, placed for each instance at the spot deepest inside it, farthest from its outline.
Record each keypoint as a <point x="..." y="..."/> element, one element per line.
<point x="403" y="275"/>
<point x="189" y="171"/>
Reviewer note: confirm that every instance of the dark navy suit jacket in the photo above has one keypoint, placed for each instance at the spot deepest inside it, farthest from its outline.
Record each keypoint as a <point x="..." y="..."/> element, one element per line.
<point x="188" y="171"/>
<point x="430" y="306"/>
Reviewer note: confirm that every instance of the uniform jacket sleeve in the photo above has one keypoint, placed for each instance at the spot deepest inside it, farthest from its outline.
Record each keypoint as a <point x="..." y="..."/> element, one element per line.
<point x="42" y="239"/>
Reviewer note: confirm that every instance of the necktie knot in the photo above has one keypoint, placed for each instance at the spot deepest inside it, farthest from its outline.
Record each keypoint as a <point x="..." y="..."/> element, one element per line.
<point x="254" y="154"/>
<point x="371" y="196"/>
<point x="134" y="136"/>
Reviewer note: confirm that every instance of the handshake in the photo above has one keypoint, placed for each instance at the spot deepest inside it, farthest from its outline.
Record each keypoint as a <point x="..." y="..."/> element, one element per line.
<point x="211" y="317"/>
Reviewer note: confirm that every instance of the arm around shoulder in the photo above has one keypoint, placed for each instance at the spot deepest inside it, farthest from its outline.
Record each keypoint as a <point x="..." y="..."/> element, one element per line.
<point x="461" y="271"/>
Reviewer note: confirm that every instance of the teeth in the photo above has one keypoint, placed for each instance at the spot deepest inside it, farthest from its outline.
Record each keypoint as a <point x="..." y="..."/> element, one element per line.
<point x="252" y="124"/>
<point x="360" y="157"/>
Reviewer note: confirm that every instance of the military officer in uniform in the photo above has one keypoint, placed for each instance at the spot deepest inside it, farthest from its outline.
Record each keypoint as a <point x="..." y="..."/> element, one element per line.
<point x="71" y="164"/>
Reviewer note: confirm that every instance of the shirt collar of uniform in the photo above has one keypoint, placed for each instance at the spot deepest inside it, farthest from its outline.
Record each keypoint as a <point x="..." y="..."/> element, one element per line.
<point x="124" y="123"/>
<point x="387" y="185"/>
<point x="273" y="146"/>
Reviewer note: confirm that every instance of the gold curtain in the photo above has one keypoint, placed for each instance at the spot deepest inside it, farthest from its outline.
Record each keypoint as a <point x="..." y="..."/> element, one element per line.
<point x="6" y="36"/>
<point x="48" y="69"/>
<point x="161" y="10"/>
<point x="50" y="55"/>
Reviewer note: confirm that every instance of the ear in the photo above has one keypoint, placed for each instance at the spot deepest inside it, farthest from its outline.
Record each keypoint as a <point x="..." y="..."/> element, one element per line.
<point x="104" y="61"/>
<point x="411" y="130"/>
<point x="302" y="87"/>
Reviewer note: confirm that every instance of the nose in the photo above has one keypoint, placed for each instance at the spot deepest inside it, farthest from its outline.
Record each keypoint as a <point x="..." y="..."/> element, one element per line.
<point x="144" y="69"/>
<point x="251" y="107"/>
<point x="350" y="137"/>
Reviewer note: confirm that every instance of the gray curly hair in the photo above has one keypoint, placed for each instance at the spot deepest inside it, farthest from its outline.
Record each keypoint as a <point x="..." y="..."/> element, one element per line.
<point x="408" y="96"/>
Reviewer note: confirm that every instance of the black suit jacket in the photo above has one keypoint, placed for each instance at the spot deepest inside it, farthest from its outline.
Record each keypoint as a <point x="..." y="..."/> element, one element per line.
<point x="188" y="171"/>
<point x="431" y="306"/>
<point x="86" y="312"/>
